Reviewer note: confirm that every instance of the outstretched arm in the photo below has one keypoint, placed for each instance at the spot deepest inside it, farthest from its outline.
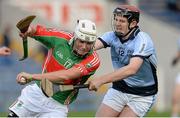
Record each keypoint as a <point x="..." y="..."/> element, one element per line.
<point x="119" y="74"/>
<point x="55" y="77"/>
<point x="76" y="72"/>
<point x="98" y="45"/>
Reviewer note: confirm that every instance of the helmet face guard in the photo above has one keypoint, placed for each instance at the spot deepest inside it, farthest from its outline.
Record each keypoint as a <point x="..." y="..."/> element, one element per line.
<point x="85" y="31"/>
<point x="122" y="12"/>
<point x="128" y="11"/>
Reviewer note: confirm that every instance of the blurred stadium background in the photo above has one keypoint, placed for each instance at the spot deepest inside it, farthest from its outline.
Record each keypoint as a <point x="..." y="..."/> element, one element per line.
<point x="160" y="18"/>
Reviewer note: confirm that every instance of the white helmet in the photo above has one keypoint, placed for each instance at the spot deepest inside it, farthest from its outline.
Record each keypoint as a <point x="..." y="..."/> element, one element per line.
<point x="85" y="30"/>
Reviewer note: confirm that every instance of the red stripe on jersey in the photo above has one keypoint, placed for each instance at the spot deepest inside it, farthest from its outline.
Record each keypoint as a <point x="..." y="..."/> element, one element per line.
<point x="42" y="31"/>
<point x="89" y="64"/>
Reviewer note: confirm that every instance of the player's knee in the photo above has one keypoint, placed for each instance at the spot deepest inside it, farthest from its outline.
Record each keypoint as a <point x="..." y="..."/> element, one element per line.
<point x="12" y="114"/>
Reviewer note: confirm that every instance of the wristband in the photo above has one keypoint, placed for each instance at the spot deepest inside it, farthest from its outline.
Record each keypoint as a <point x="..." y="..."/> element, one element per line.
<point x="31" y="79"/>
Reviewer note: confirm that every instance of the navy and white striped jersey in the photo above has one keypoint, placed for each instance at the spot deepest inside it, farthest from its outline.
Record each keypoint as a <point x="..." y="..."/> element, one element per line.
<point x="139" y="44"/>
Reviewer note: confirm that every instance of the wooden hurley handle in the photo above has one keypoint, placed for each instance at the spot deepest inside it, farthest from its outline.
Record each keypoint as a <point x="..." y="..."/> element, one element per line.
<point x="23" y="26"/>
<point x="81" y="86"/>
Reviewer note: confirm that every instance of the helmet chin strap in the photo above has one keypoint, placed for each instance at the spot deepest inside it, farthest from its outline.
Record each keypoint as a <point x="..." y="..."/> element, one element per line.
<point x="120" y="35"/>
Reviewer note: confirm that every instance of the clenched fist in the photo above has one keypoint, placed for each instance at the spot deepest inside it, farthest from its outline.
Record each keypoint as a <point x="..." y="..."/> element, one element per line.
<point x="23" y="78"/>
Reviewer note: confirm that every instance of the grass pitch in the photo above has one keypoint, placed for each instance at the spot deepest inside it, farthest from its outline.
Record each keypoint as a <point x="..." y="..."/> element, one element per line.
<point x="152" y="113"/>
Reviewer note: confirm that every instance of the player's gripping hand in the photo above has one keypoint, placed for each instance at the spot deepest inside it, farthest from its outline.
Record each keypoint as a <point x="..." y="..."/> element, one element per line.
<point x="94" y="84"/>
<point x="31" y="30"/>
<point x="23" y="78"/>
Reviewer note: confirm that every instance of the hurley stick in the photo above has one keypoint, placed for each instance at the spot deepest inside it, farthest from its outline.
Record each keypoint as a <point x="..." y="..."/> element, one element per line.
<point x="71" y="87"/>
<point x="23" y="26"/>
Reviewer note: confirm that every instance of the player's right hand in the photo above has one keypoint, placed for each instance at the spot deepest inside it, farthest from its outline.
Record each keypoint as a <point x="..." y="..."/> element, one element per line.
<point x="23" y="78"/>
<point x="29" y="32"/>
<point x="23" y="35"/>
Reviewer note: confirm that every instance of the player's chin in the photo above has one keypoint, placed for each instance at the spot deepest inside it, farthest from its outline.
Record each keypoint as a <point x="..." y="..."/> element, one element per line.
<point x="120" y="31"/>
<point x="82" y="53"/>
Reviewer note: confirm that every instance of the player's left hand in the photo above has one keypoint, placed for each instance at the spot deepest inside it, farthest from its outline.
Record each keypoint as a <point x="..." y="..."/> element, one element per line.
<point x="23" y="78"/>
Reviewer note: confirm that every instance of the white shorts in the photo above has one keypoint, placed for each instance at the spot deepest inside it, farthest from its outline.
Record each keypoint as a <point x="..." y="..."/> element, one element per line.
<point x="139" y="104"/>
<point x="178" y="79"/>
<point x="33" y="103"/>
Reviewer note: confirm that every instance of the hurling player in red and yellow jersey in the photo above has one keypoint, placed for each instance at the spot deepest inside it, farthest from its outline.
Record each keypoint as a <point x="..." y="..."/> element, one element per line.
<point x="70" y="60"/>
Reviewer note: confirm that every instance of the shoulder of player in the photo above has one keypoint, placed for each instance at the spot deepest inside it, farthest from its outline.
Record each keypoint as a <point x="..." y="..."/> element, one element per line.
<point x="94" y="54"/>
<point x="109" y="33"/>
<point x="93" y="58"/>
<point x="107" y="36"/>
<point x="43" y="31"/>
<point x="143" y="35"/>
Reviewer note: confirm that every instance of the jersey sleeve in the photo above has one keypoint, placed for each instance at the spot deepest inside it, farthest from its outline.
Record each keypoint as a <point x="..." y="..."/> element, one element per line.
<point x="48" y="36"/>
<point x="89" y="65"/>
<point x="143" y="46"/>
<point x="106" y="39"/>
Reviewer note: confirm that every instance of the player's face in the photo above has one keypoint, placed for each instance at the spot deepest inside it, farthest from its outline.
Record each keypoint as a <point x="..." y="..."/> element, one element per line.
<point x="121" y="24"/>
<point x="82" y="47"/>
